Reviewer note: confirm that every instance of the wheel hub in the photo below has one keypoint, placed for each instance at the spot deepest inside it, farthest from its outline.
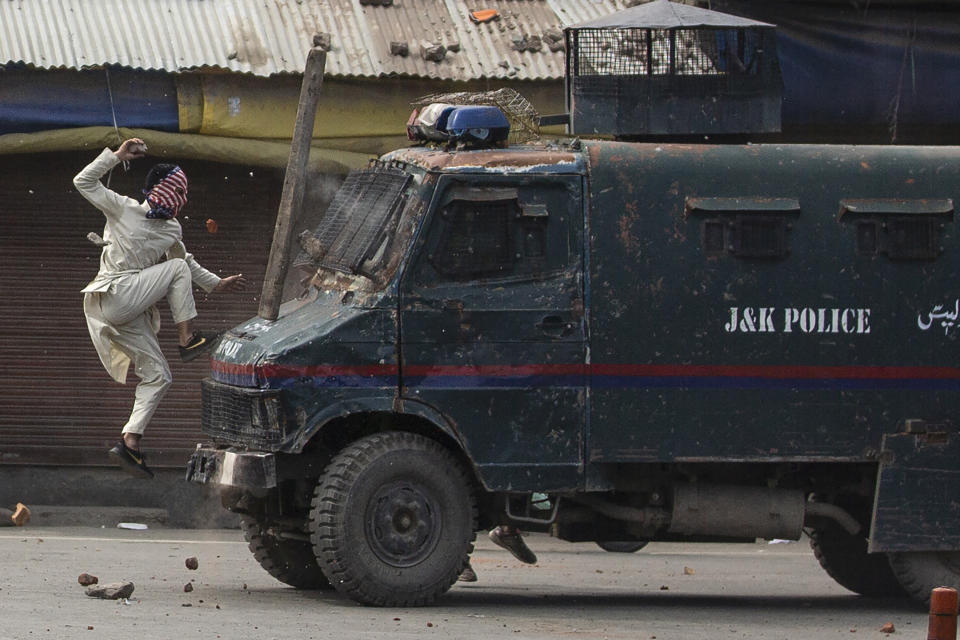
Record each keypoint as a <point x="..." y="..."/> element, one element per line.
<point x="402" y="524"/>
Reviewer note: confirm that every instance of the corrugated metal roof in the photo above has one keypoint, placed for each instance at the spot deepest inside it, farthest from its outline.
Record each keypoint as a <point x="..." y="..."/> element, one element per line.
<point x="267" y="37"/>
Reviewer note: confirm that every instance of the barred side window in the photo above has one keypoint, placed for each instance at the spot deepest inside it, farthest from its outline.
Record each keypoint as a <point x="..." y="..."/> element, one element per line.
<point x="477" y="239"/>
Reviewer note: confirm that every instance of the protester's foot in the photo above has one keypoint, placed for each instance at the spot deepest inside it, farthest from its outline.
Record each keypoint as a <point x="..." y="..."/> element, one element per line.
<point x="131" y="460"/>
<point x="468" y="574"/>
<point x="21" y="516"/>
<point x="199" y="343"/>
<point x="513" y="542"/>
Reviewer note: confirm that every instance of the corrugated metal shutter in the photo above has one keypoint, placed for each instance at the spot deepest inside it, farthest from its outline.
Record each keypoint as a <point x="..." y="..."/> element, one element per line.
<point x="57" y="404"/>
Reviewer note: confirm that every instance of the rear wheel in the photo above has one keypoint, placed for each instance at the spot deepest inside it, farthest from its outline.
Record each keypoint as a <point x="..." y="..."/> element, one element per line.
<point x="844" y="557"/>
<point x="290" y="561"/>
<point x="625" y="546"/>
<point x="393" y="520"/>
<point x="920" y="572"/>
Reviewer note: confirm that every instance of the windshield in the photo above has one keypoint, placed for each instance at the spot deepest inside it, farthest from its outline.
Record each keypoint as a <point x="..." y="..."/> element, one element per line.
<point x="358" y="242"/>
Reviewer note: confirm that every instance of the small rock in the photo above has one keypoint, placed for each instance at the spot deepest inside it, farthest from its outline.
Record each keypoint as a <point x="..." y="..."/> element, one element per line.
<point x="401" y="49"/>
<point x="322" y="40"/>
<point x="187" y="588"/>
<point x="664" y="588"/>
<point x="89" y="627"/>
<point x="888" y="628"/>
<point x="191" y="563"/>
<point x="453" y="47"/>
<point x="85" y="579"/>
<point x="429" y="624"/>
<point x="688" y="571"/>
<point x="433" y="52"/>
<point x="111" y="591"/>
<point x="553" y="34"/>
<point x="186" y="604"/>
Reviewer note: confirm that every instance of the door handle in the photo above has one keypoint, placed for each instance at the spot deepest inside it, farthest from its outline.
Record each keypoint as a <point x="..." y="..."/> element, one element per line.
<point x="555" y="326"/>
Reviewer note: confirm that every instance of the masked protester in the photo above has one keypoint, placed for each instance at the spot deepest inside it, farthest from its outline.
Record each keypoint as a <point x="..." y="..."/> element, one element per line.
<point x="143" y="259"/>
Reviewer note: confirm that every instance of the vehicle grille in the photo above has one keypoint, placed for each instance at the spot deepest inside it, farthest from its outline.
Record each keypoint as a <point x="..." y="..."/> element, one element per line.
<point x="247" y="417"/>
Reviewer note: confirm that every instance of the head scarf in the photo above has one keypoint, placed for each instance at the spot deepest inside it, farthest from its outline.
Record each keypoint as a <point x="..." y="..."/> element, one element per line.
<point x="168" y="196"/>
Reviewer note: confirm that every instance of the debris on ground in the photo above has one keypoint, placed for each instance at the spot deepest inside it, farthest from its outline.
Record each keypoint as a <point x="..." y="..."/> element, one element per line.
<point x="187" y="588"/>
<point x="688" y="571"/>
<point x="134" y="526"/>
<point x="85" y="579"/>
<point x="192" y="563"/>
<point x="111" y="591"/>
<point x="888" y="628"/>
<point x="399" y="48"/>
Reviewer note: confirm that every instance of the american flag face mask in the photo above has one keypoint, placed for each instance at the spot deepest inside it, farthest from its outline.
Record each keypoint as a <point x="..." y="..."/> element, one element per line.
<point x="168" y="196"/>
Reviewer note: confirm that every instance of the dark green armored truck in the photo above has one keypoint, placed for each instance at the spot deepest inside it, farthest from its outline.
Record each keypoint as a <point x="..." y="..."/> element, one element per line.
<point x="672" y="342"/>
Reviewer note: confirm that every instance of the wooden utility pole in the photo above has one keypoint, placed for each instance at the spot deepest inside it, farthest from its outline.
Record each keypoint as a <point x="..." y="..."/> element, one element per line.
<point x="294" y="184"/>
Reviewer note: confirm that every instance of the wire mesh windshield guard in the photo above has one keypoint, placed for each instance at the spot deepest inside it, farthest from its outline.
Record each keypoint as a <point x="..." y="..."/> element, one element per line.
<point x="355" y="224"/>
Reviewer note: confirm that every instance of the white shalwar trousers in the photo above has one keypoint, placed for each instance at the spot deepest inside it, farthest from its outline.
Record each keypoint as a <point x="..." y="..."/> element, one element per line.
<point x="127" y="307"/>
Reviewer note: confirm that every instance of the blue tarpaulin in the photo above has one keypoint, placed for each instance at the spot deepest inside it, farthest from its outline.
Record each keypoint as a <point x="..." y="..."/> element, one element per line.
<point x="30" y="101"/>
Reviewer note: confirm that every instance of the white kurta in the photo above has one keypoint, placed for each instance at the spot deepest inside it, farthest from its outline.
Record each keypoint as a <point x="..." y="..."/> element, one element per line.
<point x="119" y="302"/>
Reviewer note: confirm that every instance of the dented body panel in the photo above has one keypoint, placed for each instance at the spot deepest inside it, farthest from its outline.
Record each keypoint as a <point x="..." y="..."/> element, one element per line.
<point x="626" y="318"/>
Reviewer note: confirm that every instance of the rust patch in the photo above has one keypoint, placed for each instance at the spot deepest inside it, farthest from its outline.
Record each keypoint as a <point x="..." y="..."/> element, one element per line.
<point x="435" y="159"/>
<point x="624" y="224"/>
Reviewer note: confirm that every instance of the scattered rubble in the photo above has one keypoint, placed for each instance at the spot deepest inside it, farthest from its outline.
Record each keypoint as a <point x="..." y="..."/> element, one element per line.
<point x="553" y="38"/>
<point x="688" y="571"/>
<point x="191" y="563"/>
<point x="187" y="588"/>
<point x="527" y="42"/>
<point x="433" y="51"/>
<point x="376" y="3"/>
<point x="85" y="579"/>
<point x="401" y="49"/>
<point x="484" y="15"/>
<point x="322" y="40"/>
<point x="111" y="591"/>
<point x="888" y="628"/>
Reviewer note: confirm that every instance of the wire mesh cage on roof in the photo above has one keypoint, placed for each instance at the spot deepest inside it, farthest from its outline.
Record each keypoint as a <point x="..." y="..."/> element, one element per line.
<point x="669" y="68"/>
<point x="524" y="119"/>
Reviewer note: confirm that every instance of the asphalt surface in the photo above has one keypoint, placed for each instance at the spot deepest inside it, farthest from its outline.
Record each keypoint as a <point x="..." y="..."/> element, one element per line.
<point x="663" y="592"/>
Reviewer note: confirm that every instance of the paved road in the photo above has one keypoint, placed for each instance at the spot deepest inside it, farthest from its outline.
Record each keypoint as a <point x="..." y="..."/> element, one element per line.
<point x="666" y="591"/>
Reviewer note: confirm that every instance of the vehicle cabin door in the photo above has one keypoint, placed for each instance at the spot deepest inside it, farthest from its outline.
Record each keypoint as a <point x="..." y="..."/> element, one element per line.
<point x="492" y="325"/>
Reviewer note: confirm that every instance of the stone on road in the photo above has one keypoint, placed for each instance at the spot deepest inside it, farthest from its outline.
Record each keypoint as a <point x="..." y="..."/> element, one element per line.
<point x="741" y="592"/>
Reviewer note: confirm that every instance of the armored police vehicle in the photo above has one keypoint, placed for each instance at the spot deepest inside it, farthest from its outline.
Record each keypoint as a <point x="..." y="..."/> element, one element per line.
<point x="670" y="341"/>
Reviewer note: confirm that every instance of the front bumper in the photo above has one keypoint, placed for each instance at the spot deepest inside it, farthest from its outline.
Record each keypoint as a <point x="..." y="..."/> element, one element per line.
<point x="231" y="468"/>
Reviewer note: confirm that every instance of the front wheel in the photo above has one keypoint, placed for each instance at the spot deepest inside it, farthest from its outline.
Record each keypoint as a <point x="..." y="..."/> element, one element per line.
<point x="393" y="520"/>
<point x="920" y="572"/>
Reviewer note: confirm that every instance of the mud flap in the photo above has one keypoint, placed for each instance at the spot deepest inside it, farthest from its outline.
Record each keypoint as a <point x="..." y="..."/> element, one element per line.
<point x="917" y="504"/>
